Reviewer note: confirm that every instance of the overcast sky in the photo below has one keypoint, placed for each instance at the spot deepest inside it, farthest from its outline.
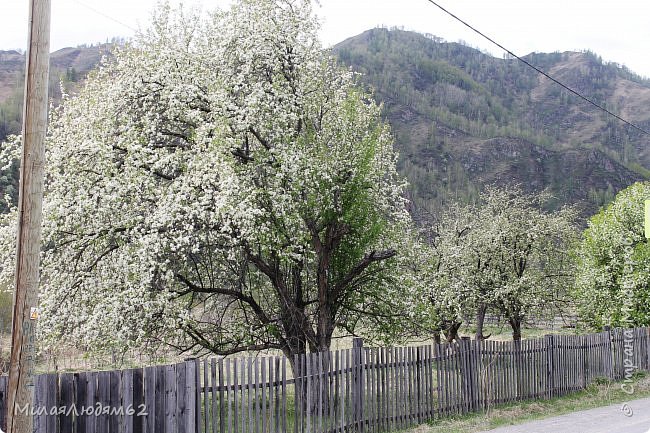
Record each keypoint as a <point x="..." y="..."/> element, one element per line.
<point x="619" y="31"/>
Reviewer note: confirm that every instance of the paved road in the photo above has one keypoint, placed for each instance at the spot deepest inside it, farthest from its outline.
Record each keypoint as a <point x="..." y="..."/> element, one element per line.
<point x="609" y="419"/>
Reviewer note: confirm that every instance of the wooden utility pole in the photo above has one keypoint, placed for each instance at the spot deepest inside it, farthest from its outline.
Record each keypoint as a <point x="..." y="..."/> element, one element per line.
<point x="20" y="392"/>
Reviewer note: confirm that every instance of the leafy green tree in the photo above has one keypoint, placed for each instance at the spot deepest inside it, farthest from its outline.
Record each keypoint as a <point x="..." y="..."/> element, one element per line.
<point x="613" y="282"/>
<point x="222" y="185"/>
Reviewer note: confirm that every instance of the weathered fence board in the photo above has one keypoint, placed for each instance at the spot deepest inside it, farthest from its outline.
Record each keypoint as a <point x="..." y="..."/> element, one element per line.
<point x="369" y="390"/>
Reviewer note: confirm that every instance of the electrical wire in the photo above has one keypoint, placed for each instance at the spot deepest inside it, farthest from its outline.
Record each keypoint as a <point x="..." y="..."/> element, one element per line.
<point x="590" y="101"/>
<point x="105" y="15"/>
<point x="527" y="63"/>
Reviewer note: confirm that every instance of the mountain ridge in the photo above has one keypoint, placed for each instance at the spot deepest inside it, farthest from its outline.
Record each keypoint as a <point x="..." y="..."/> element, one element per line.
<point x="461" y="117"/>
<point x="462" y="102"/>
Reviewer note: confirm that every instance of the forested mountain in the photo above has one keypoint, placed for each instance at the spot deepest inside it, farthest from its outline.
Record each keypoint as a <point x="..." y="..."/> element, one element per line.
<point x="68" y="66"/>
<point x="461" y="118"/>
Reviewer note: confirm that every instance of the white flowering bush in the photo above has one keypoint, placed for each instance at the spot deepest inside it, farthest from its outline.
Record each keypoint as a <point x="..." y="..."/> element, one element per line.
<point x="222" y="185"/>
<point x="613" y="279"/>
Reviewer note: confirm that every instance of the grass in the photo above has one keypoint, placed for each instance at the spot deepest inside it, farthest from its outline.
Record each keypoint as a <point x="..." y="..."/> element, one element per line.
<point x="497" y="332"/>
<point x="601" y="393"/>
<point x="503" y="332"/>
<point x="70" y="359"/>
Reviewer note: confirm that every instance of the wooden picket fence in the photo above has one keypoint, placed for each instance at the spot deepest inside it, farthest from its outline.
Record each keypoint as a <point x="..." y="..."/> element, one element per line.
<point x="359" y="389"/>
<point x="152" y="399"/>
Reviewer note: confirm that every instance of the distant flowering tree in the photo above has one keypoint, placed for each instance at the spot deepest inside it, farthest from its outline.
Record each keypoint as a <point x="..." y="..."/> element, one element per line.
<point x="613" y="278"/>
<point x="504" y="254"/>
<point x="222" y="185"/>
<point x="452" y="297"/>
<point x="533" y="267"/>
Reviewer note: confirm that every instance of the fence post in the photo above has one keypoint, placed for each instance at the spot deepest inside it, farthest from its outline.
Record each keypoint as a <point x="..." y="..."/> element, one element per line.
<point x="192" y="395"/>
<point x="297" y="399"/>
<point x="358" y="386"/>
<point x="609" y="352"/>
<point x="418" y="380"/>
<point x="518" y="370"/>
<point x="646" y="331"/>
<point x="586" y="367"/>
<point x="467" y="374"/>
<point x="3" y="402"/>
<point x="199" y="394"/>
<point x="464" y="393"/>
<point x="550" y="366"/>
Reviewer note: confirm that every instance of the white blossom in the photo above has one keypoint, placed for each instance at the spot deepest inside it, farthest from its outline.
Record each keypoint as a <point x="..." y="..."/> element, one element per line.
<point x="211" y="147"/>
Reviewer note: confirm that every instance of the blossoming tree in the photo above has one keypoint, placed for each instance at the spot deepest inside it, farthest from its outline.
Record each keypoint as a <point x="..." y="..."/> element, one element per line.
<point x="222" y="185"/>
<point x="613" y="282"/>
<point x="452" y="296"/>
<point x="504" y="254"/>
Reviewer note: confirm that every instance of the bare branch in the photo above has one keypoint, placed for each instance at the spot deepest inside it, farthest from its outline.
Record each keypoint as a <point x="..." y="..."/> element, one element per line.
<point x="357" y="270"/>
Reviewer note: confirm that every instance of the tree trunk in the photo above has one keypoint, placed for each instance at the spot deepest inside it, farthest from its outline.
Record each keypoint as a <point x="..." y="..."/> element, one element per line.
<point x="436" y="336"/>
<point x="451" y="331"/>
<point x="296" y="344"/>
<point x="515" y="324"/>
<point x="480" y="321"/>
<point x="319" y="383"/>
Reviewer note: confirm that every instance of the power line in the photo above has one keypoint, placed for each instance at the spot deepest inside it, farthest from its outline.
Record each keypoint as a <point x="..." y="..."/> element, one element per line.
<point x="590" y="101"/>
<point x="586" y="99"/>
<point x="105" y="15"/>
